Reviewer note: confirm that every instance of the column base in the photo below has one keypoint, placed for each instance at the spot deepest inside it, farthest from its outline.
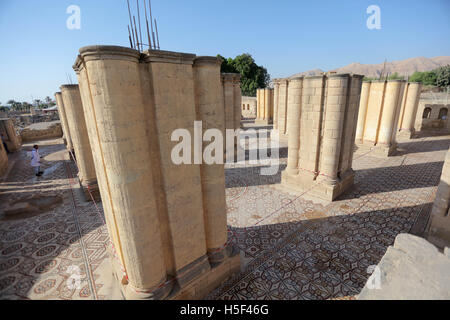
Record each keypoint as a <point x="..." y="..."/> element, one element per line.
<point x="378" y="150"/>
<point x="263" y="122"/>
<point x="209" y="281"/>
<point x="129" y="292"/>
<point x="307" y="182"/>
<point x="90" y="191"/>
<point x="406" y="134"/>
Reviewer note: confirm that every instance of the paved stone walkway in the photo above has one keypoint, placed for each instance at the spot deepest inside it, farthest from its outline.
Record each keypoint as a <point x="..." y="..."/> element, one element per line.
<point x="292" y="247"/>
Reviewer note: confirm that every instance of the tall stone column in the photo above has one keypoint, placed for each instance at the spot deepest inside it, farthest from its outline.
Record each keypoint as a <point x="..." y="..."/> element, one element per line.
<point x="365" y="91"/>
<point x="211" y="112"/>
<point x="338" y="86"/>
<point x="228" y="92"/>
<point x="63" y="118"/>
<point x="258" y="104"/>
<point x="237" y="93"/>
<point x="283" y="107"/>
<point x="390" y="112"/>
<point x="80" y="139"/>
<point x="120" y="123"/>
<point x="294" y="101"/>
<point x="268" y="105"/>
<point x="276" y="93"/>
<point x="409" y="110"/>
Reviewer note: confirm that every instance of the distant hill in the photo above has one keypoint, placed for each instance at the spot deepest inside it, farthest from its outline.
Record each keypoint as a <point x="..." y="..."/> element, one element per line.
<point x="403" y="67"/>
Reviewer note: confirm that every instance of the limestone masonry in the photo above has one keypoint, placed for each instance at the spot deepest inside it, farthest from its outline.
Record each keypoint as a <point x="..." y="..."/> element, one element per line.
<point x="323" y="112"/>
<point x="264" y="109"/>
<point x="64" y="122"/>
<point x="167" y="222"/>
<point x="379" y="112"/>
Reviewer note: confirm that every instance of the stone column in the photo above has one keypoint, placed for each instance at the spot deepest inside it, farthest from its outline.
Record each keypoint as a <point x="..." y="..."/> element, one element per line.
<point x="283" y="107"/>
<point x="237" y="94"/>
<point x="390" y="113"/>
<point x="228" y="92"/>
<point x="365" y="91"/>
<point x="63" y="118"/>
<point x="409" y="112"/>
<point x="13" y="140"/>
<point x="121" y="132"/>
<point x="258" y="104"/>
<point x="294" y="101"/>
<point x="268" y="105"/>
<point x="79" y="135"/>
<point x="438" y="229"/>
<point x="211" y="112"/>
<point x="3" y="160"/>
<point x="276" y="93"/>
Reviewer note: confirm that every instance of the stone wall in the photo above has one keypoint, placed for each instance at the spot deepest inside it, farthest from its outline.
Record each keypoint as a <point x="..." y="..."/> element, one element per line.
<point x="429" y="120"/>
<point x="379" y="112"/>
<point x="167" y="221"/>
<point x="438" y="228"/>
<point x="408" y="111"/>
<point x="9" y="135"/>
<point x="249" y="107"/>
<point x="43" y="130"/>
<point x="3" y="160"/>
<point x="323" y="113"/>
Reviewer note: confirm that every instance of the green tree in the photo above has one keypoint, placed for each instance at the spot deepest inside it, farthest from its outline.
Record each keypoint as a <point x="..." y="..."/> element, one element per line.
<point x="427" y="78"/>
<point x="443" y="76"/>
<point x="252" y="76"/>
<point x="396" y="76"/>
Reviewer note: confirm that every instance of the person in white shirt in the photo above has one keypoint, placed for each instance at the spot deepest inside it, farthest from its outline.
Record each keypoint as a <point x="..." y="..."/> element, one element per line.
<point x="36" y="161"/>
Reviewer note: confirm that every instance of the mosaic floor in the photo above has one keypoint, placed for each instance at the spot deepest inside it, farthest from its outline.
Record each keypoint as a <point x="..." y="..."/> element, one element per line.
<point x="292" y="246"/>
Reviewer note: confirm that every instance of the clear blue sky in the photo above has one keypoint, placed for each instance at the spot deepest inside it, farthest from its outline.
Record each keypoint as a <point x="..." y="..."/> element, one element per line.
<point x="286" y="36"/>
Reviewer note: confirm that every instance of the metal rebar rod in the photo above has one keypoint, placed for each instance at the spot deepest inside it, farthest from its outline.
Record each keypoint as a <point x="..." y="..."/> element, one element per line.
<point x="136" y="34"/>
<point x="157" y="35"/>
<point x="139" y="20"/>
<point x="131" y="22"/>
<point x="129" y="36"/>
<point x="146" y="21"/>
<point x="151" y="23"/>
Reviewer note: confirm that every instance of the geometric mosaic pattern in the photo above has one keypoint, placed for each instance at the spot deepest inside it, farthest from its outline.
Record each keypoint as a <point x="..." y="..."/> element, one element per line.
<point x="292" y="247"/>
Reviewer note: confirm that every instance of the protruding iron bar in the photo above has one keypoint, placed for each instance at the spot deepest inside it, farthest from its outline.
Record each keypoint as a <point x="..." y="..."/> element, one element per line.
<point x="131" y="22"/>
<point x="129" y="36"/>
<point x="146" y="21"/>
<point x="136" y="33"/>
<point x="139" y="21"/>
<point x="157" y="35"/>
<point x="151" y="23"/>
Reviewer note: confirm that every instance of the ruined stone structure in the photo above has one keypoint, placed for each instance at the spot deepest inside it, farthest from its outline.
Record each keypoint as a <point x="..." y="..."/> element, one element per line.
<point x="249" y="107"/>
<point x="322" y="125"/>
<point x="264" y="108"/>
<point x="79" y="135"/>
<point x="64" y="123"/>
<point x="9" y="135"/>
<point x="432" y="114"/>
<point x="408" y="111"/>
<point x="232" y="98"/>
<point x="41" y="131"/>
<point x="281" y="87"/>
<point x="167" y="222"/>
<point x="438" y="228"/>
<point x="379" y="113"/>
<point x="3" y="160"/>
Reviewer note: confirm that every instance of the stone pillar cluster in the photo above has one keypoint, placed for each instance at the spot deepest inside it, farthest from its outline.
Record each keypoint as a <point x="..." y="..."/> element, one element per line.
<point x="408" y="112"/>
<point x="10" y="136"/>
<point x="438" y="228"/>
<point x="264" y="108"/>
<point x="379" y="112"/>
<point x="64" y="122"/>
<point x="323" y="113"/>
<point x="167" y="222"/>
<point x="75" y="120"/>
<point x="281" y="107"/>
<point x="232" y="99"/>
